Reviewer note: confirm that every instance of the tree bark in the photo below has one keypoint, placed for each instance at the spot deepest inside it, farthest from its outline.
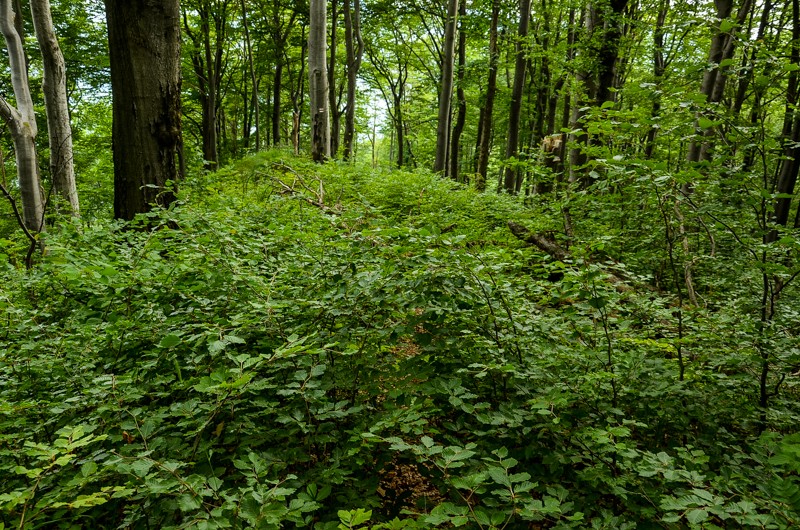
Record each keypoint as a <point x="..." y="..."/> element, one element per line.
<point x="54" y="86"/>
<point x="144" y="47"/>
<point x="318" y="82"/>
<point x="446" y="92"/>
<point x="208" y="66"/>
<point x="248" y="46"/>
<point x="332" y="102"/>
<point x="22" y="122"/>
<point x="355" y="53"/>
<point x="512" y="145"/>
<point x="487" y="112"/>
<point x="461" y="113"/>
<point x="790" y="165"/>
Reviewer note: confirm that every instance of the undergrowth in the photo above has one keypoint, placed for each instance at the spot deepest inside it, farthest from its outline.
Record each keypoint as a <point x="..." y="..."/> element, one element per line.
<point x="296" y="345"/>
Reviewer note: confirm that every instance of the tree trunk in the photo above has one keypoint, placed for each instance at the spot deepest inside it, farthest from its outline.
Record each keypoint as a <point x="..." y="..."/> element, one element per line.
<point x="714" y="79"/>
<point x="208" y="66"/>
<point x="659" y="67"/>
<point x="446" y="93"/>
<point x="790" y="165"/>
<point x="249" y="48"/>
<point x="487" y="112"/>
<point x="54" y="86"/>
<point x="318" y="82"/>
<point x="22" y="122"/>
<point x="461" y="115"/>
<point x="352" y="27"/>
<point x="332" y="103"/>
<point x="144" y="47"/>
<point x="512" y="145"/>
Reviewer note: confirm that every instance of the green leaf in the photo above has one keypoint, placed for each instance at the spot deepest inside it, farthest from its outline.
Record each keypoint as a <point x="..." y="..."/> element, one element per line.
<point x="696" y="516"/>
<point x="169" y="341"/>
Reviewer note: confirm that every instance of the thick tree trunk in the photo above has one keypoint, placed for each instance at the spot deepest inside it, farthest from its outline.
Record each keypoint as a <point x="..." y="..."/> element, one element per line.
<point x="355" y="52"/>
<point x="54" y="86"/>
<point x="446" y="92"/>
<point x="512" y="145"/>
<point x="318" y="82"/>
<point x="22" y="122"/>
<point x="144" y="46"/>
<point x="608" y="54"/>
<point x="487" y="112"/>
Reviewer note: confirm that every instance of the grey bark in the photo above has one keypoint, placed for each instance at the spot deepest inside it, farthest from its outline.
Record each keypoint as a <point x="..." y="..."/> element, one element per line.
<point x="144" y="46"/>
<point x="22" y="122"/>
<point x="54" y="86"/>
<point x="318" y="82"/>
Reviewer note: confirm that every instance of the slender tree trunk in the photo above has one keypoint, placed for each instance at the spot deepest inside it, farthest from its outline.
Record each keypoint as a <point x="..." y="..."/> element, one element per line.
<point x="332" y="103"/>
<point x="485" y="131"/>
<point x="790" y="165"/>
<point x="249" y="49"/>
<point x="144" y="46"/>
<point x="714" y="79"/>
<point x="54" y="86"/>
<point x="446" y="93"/>
<point x="461" y="115"/>
<point x="512" y="146"/>
<point x="297" y="93"/>
<point x="399" y="128"/>
<point x="277" y="81"/>
<point x="207" y="65"/>
<point x="22" y="122"/>
<point x="659" y="68"/>
<point x="355" y="52"/>
<point x="318" y="82"/>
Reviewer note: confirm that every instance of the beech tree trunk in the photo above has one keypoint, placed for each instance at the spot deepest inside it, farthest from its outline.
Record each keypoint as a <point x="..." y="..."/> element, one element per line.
<point x="318" y="82"/>
<point x="487" y="112"/>
<point x="144" y="46"/>
<point x="22" y="123"/>
<point x="355" y="52"/>
<point x="512" y="145"/>
<point x="54" y="86"/>
<point x="446" y="93"/>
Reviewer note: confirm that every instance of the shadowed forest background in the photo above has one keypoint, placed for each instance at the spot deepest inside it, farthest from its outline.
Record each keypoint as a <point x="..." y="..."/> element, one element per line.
<point x="367" y="264"/>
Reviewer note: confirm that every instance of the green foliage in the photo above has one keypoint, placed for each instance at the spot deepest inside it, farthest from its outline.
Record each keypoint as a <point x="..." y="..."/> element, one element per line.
<point x="331" y="347"/>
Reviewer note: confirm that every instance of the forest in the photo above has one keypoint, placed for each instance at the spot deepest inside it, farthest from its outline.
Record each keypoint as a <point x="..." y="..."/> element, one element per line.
<point x="361" y="264"/>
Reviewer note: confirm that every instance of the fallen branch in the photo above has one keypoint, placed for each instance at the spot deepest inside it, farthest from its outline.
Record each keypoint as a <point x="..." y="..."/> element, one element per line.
<point x="542" y="242"/>
<point x="622" y="281"/>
